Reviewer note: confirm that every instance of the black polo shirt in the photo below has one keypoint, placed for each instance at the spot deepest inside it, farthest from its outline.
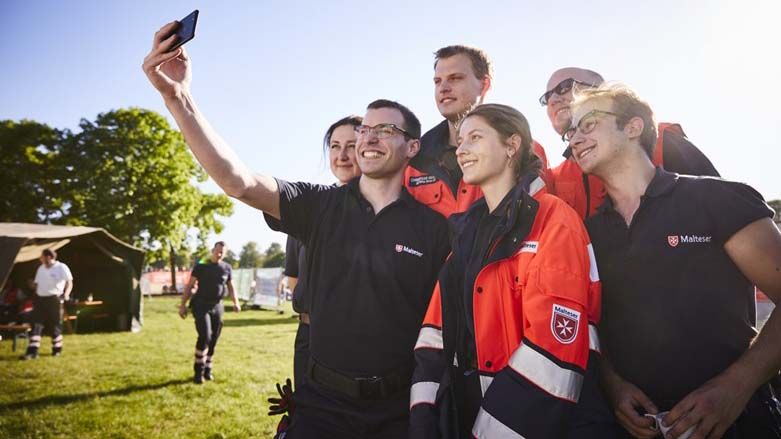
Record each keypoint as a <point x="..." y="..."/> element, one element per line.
<point x="212" y="282"/>
<point x="676" y="311"/>
<point x="369" y="276"/>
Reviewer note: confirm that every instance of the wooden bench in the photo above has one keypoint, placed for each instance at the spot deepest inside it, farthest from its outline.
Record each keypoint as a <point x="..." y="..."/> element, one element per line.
<point x="70" y="322"/>
<point x="17" y="331"/>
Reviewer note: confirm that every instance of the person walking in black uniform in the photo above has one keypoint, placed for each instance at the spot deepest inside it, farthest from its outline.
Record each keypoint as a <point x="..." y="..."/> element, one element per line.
<point x="214" y="278"/>
<point x="53" y="284"/>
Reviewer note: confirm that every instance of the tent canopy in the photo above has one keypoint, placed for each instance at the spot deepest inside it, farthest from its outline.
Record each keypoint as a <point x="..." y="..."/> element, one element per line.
<point x="102" y="265"/>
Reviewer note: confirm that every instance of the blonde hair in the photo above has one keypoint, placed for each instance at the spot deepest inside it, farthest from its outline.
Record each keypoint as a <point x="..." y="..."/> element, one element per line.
<point x="627" y="105"/>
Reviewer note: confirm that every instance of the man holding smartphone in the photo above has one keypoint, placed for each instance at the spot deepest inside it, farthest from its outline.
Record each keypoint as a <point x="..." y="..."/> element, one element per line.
<point x="368" y="236"/>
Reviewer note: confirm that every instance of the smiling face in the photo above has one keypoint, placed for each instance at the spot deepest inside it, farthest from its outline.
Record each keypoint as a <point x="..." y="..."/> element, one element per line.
<point x="341" y="154"/>
<point x="456" y="88"/>
<point x="598" y="140"/>
<point x="482" y="153"/>
<point x="382" y="158"/>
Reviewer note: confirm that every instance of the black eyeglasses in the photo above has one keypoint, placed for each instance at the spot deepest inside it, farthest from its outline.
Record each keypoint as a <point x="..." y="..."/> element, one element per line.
<point x="382" y="131"/>
<point x="585" y="125"/>
<point x="562" y="88"/>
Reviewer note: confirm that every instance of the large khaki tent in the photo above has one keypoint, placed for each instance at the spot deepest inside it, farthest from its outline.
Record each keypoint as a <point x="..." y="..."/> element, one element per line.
<point x="102" y="266"/>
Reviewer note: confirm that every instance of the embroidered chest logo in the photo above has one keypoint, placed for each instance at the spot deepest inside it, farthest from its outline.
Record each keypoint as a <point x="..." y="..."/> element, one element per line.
<point x="422" y="180"/>
<point x="564" y="323"/>
<point x="403" y="248"/>
<point x="675" y="240"/>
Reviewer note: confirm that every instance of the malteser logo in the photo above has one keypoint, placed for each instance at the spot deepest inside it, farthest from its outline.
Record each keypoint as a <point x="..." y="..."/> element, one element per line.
<point x="564" y="323"/>
<point x="403" y="248"/>
<point x="675" y="240"/>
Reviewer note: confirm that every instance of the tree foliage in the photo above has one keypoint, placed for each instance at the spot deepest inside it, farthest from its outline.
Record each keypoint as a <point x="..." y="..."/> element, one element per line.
<point x="31" y="191"/>
<point x="127" y="171"/>
<point x="274" y="256"/>
<point x="250" y="256"/>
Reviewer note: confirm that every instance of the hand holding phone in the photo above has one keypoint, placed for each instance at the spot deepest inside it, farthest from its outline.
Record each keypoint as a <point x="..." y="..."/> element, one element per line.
<point x="186" y="30"/>
<point x="167" y="68"/>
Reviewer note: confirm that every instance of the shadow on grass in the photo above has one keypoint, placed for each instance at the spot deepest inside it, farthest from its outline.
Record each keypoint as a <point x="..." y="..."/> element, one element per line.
<point x="68" y="399"/>
<point x="257" y="322"/>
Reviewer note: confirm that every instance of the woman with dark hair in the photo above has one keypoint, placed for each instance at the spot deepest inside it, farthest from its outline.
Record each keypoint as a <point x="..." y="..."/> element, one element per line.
<point x="339" y="147"/>
<point x="505" y="343"/>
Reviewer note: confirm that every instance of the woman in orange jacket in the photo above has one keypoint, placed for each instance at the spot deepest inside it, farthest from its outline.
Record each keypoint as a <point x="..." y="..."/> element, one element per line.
<point x="506" y="340"/>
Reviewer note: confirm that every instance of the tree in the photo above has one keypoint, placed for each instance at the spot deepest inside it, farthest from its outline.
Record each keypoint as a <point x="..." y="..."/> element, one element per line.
<point x="274" y="256"/>
<point x="128" y="172"/>
<point x="231" y="259"/>
<point x="250" y="256"/>
<point x="30" y="190"/>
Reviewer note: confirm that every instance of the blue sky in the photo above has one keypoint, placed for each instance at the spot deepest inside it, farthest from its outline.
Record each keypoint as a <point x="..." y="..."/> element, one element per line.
<point x="272" y="75"/>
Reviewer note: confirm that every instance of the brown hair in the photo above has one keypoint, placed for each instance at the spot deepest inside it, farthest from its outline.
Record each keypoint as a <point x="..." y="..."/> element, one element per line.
<point x="411" y="122"/>
<point x="49" y="252"/>
<point x="481" y="65"/>
<point x="627" y="105"/>
<point x="508" y="121"/>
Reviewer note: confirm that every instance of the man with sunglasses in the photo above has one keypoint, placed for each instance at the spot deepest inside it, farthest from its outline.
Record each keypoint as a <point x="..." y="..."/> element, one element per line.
<point x="678" y="258"/>
<point x="462" y="78"/>
<point x="585" y="193"/>
<point x="373" y="256"/>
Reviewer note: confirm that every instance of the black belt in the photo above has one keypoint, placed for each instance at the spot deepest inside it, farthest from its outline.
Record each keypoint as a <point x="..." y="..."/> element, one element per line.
<point x="376" y="387"/>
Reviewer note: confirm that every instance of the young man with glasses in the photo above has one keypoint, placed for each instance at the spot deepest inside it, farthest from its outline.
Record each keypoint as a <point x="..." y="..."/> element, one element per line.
<point x="586" y="193"/>
<point x="678" y="258"/>
<point x="373" y="256"/>
<point x="462" y="78"/>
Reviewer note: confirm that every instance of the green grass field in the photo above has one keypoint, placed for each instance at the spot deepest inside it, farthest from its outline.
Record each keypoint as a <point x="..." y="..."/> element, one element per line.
<point x="124" y="385"/>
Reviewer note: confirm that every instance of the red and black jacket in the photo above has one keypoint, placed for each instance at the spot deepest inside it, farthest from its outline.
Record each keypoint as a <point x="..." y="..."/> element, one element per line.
<point x="536" y="302"/>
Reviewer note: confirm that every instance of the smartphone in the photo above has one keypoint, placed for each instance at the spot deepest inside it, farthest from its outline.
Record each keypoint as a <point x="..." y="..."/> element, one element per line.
<point x="186" y="30"/>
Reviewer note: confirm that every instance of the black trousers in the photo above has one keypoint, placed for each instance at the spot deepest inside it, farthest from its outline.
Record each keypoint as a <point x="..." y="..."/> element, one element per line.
<point x="47" y="317"/>
<point x="301" y="354"/>
<point x="208" y="323"/>
<point x="324" y="414"/>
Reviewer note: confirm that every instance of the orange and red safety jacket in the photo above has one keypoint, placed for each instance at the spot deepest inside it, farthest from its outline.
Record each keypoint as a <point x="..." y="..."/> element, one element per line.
<point x="536" y="302"/>
<point x="426" y="179"/>
<point x="673" y="151"/>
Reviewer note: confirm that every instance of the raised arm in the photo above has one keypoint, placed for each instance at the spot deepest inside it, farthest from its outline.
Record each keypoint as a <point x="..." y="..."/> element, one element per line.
<point x="170" y="72"/>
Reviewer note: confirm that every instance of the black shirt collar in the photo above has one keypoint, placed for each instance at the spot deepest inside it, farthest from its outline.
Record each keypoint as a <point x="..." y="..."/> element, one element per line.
<point x="354" y="188"/>
<point x="662" y="183"/>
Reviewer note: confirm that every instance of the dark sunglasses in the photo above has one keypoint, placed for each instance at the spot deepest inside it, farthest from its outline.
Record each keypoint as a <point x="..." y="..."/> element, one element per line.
<point x="562" y="88"/>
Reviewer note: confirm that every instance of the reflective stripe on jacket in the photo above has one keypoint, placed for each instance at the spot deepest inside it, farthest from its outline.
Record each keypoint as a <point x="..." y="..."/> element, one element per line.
<point x="535" y="302"/>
